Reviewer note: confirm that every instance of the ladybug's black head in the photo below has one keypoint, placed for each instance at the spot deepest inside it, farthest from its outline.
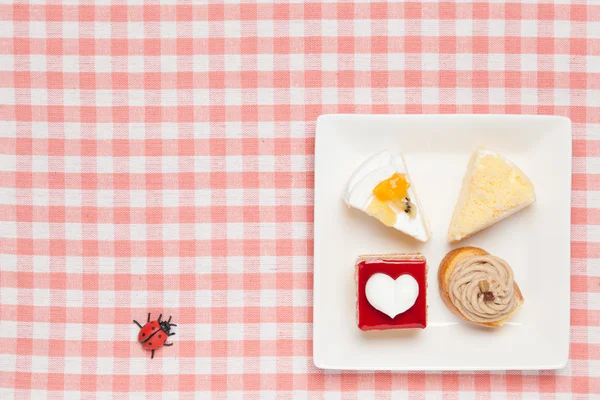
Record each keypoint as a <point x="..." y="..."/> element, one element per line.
<point x="165" y="326"/>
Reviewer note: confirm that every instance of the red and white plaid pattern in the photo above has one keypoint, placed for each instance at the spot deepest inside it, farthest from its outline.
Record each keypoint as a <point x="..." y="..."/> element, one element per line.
<point x="159" y="157"/>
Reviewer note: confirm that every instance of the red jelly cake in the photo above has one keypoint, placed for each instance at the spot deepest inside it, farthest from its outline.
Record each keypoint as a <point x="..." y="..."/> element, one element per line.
<point x="391" y="291"/>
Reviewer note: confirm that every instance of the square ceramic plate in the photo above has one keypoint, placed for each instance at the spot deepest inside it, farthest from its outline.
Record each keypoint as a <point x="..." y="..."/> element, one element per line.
<point x="535" y="241"/>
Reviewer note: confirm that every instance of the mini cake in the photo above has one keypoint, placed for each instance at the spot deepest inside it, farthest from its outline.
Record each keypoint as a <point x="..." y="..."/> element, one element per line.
<point x="382" y="188"/>
<point x="493" y="188"/>
<point x="479" y="287"/>
<point x="391" y="291"/>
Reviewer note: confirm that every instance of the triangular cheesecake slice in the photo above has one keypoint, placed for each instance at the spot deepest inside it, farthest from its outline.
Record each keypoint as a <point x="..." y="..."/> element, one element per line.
<point x="493" y="188"/>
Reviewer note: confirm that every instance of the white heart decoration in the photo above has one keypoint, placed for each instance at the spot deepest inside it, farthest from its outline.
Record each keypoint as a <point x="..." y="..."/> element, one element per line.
<point x="392" y="297"/>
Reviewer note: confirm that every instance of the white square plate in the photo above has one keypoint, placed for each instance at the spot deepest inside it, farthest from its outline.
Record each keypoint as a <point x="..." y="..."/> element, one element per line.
<point x="535" y="241"/>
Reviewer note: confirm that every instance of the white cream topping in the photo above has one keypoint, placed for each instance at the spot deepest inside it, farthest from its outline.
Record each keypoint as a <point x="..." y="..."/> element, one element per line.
<point x="359" y="191"/>
<point x="392" y="297"/>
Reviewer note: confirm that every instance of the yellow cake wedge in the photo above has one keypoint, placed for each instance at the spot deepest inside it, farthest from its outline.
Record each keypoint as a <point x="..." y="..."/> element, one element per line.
<point x="493" y="188"/>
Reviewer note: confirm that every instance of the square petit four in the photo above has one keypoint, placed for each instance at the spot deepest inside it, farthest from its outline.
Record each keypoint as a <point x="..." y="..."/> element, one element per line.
<point x="391" y="291"/>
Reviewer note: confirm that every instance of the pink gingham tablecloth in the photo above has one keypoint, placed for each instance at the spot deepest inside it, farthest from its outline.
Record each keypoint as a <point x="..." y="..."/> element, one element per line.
<point x="159" y="157"/>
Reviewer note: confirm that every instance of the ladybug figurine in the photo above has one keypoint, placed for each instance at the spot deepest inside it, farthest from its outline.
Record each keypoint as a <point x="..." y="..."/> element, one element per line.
<point x="154" y="334"/>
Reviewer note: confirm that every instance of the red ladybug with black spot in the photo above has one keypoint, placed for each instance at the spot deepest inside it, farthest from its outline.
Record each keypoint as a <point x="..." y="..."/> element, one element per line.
<point x="154" y="334"/>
